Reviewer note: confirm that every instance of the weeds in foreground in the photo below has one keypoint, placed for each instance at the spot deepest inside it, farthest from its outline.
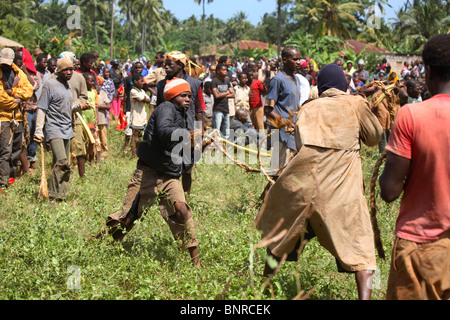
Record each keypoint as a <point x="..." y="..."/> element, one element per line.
<point x="44" y="252"/>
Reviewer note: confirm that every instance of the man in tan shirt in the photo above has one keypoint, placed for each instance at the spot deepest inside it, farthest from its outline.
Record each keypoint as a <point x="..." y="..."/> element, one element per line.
<point x="320" y="192"/>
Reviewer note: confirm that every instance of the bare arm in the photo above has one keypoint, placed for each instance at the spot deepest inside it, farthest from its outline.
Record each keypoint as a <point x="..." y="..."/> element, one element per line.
<point x="392" y="180"/>
<point x="218" y="95"/>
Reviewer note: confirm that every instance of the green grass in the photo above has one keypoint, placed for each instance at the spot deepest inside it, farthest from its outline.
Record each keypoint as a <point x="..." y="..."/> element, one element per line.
<point x="39" y="242"/>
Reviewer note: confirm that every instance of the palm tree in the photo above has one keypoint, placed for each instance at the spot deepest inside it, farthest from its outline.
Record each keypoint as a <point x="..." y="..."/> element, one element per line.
<point x="112" y="31"/>
<point x="418" y="21"/>
<point x="125" y="8"/>
<point x="280" y="4"/>
<point x="237" y="26"/>
<point x="203" y="19"/>
<point x="95" y="9"/>
<point x="332" y="17"/>
<point x="149" y="12"/>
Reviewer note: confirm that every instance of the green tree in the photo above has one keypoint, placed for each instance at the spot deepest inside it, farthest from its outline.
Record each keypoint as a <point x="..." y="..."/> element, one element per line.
<point x="280" y="4"/>
<point x="328" y="17"/>
<point x="149" y="13"/>
<point x="203" y="19"/>
<point x="237" y="26"/>
<point x="323" y="50"/>
<point x="125" y="8"/>
<point x="95" y="10"/>
<point x="419" y="20"/>
<point x="112" y="31"/>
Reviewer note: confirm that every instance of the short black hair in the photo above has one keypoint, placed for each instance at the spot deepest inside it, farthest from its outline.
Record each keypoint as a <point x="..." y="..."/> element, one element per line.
<point x="86" y="57"/>
<point x="220" y="65"/>
<point x="242" y="74"/>
<point x="136" y="76"/>
<point x="436" y="55"/>
<point x="17" y="57"/>
<point x="207" y="84"/>
<point x="223" y="59"/>
<point x="40" y="57"/>
<point x="88" y="74"/>
<point x="411" y="83"/>
<point x="287" y="51"/>
<point x="249" y="73"/>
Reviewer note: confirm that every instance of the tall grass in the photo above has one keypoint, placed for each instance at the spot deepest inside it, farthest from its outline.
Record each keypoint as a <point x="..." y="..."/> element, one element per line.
<point x="40" y="242"/>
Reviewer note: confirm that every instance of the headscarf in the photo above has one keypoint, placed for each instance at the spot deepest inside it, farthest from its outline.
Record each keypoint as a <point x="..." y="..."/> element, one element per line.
<point x="27" y="60"/>
<point x="393" y="76"/>
<point x="331" y="76"/>
<point x="177" y="56"/>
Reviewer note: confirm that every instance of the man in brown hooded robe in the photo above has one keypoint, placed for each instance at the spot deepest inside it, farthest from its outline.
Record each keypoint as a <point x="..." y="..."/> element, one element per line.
<point x="321" y="192"/>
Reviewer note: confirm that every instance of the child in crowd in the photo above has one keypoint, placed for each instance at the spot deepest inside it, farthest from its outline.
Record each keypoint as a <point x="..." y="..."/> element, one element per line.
<point x="102" y="118"/>
<point x="209" y="102"/>
<point x="108" y="84"/>
<point x="257" y="89"/>
<point x="89" y="115"/>
<point x="241" y="93"/>
<point x="138" y="113"/>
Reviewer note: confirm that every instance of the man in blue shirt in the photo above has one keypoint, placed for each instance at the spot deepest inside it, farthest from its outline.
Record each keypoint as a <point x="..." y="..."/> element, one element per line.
<point x="282" y="100"/>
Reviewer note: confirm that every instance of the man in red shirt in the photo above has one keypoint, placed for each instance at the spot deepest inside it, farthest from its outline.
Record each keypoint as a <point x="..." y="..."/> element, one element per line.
<point x="256" y="107"/>
<point x="418" y="164"/>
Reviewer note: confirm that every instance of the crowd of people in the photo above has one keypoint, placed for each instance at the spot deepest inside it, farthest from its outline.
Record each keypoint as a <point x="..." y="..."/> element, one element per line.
<point x="66" y="104"/>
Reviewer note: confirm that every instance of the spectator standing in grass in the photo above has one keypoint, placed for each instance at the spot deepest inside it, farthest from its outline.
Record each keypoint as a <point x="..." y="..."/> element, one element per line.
<point x="55" y="107"/>
<point x="257" y="90"/>
<point x="241" y="93"/>
<point x="102" y="109"/>
<point x="138" y="114"/>
<point x="209" y="103"/>
<point x="14" y="89"/>
<point x="118" y="79"/>
<point x="222" y="91"/>
<point x="417" y="165"/>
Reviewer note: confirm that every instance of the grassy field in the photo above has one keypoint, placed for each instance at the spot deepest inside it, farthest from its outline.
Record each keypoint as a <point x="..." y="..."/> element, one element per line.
<point x="43" y="247"/>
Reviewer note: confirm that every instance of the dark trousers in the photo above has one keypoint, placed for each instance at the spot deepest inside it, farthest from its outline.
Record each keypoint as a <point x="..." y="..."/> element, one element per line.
<point x="10" y="149"/>
<point x="32" y="146"/>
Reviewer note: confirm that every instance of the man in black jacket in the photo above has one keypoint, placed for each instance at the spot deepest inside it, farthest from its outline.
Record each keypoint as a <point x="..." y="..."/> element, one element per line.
<point x="174" y="66"/>
<point x="165" y="153"/>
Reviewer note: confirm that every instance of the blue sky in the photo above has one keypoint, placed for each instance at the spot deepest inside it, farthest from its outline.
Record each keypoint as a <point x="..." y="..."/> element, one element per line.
<point x="255" y="10"/>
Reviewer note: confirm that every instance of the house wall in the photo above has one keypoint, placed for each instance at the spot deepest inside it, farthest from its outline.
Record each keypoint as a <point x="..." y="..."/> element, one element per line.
<point x="396" y="60"/>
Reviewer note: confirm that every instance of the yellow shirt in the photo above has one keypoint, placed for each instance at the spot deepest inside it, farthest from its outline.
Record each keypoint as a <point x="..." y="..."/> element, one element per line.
<point x="21" y="90"/>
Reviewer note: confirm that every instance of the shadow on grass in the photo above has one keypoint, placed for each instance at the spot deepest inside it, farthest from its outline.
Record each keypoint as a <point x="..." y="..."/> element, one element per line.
<point x="160" y="248"/>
